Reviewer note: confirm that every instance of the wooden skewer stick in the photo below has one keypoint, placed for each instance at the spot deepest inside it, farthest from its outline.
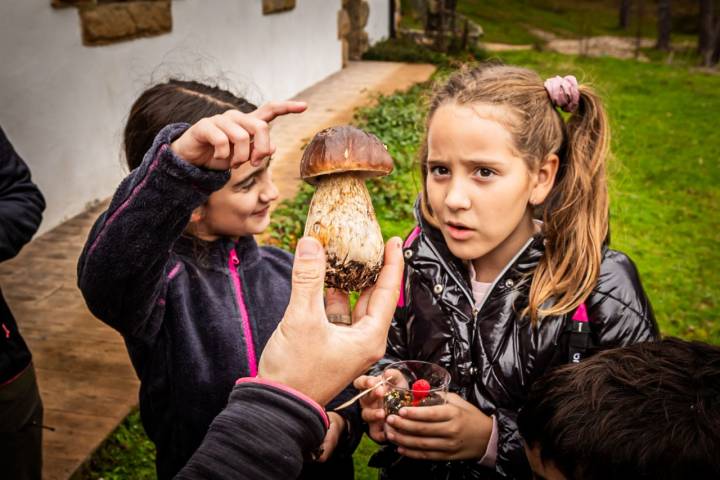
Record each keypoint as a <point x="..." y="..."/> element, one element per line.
<point x="359" y="396"/>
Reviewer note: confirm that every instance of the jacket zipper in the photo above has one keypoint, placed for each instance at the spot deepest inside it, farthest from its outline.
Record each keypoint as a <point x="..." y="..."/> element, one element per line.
<point x="502" y="273"/>
<point x="452" y="275"/>
<point x="233" y="263"/>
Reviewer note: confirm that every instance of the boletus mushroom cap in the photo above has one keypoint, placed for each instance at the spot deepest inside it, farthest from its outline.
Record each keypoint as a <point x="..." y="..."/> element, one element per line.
<point x="337" y="161"/>
<point x="345" y="149"/>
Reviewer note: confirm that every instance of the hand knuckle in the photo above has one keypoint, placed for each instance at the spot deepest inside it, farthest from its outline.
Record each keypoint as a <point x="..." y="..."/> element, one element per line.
<point x="306" y="275"/>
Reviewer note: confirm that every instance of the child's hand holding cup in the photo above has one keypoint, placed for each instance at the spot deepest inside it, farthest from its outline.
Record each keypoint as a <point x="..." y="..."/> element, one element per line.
<point x="414" y="384"/>
<point x="373" y="411"/>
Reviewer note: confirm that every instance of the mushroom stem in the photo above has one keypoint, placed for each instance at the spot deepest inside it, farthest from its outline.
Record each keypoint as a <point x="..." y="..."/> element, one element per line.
<point x="342" y="218"/>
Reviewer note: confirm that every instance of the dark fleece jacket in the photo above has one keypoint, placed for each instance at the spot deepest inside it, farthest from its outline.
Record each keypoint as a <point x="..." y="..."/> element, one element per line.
<point x="195" y="315"/>
<point x="21" y="207"/>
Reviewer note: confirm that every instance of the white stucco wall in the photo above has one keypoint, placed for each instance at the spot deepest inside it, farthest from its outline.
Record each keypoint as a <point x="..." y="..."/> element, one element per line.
<point x="378" y="26"/>
<point x="63" y="105"/>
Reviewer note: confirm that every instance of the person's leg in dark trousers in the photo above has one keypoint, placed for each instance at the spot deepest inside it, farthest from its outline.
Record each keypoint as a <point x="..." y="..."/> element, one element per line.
<point x="334" y="469"/>
<point x="21" y="415"/>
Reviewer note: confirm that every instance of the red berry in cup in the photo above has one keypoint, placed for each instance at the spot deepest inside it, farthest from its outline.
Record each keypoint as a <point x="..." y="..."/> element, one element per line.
<point x="420" y="390"/>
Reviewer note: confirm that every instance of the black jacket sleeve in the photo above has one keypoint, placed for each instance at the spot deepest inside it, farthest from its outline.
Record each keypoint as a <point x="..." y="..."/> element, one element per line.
<point x="619" y="310"/>
<point x="21" y="203"/>
<point x="264" y="433"/>
<point x="352" y="435"/>
<point x="396" y="348"/>
<point x="121" y="269"/>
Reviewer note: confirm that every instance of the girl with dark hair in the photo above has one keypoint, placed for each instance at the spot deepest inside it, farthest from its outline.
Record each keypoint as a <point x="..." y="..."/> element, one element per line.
<point x="173" y="265"/>
<point x="509" y="273"/>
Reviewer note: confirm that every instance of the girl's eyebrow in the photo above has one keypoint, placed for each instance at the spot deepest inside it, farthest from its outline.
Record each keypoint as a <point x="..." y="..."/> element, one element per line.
<point x="482" y="161"/>
<point x="469" y="161"/>
<point x="259" y="169"/>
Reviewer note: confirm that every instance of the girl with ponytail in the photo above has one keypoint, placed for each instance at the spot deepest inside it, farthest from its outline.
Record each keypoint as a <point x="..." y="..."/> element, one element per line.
<point x="508" y="273"/>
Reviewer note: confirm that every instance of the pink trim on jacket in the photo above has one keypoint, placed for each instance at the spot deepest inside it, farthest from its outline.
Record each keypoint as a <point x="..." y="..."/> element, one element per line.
<point x="295" y="393"/>
<point x="411" y="238"/>
<point x="174" y="271"/>
<point x="580" y="314"/>
<point x="233" y="262"/>
<point x="127" y="201"/>
<point x="9" y="381"/>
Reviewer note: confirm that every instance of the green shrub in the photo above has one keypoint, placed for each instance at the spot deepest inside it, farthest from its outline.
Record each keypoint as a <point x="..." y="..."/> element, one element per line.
<point x="406" y="50"/>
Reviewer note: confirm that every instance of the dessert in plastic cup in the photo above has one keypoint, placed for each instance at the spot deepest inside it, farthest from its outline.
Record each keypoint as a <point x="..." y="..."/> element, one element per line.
<point x="414" y="383"/>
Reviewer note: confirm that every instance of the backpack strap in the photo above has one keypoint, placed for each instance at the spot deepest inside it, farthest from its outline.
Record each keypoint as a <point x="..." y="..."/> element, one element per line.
<point x="408" y="241"/>
<point x="579" y="328"/>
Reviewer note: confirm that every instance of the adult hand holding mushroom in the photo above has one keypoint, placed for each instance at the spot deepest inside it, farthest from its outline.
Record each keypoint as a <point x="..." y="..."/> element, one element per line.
<point x="313" y="356"/>
<point x="337" y="161"/>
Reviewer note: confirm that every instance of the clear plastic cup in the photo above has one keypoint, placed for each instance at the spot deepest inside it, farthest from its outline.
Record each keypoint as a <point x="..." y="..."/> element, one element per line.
<point x="414" y="383"/>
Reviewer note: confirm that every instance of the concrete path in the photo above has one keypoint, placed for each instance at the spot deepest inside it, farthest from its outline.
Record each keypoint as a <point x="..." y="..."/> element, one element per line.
<point x="85" y="377"/>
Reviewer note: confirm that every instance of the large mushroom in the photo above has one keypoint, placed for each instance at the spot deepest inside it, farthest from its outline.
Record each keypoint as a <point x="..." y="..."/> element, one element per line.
<point x="337" y="161"/>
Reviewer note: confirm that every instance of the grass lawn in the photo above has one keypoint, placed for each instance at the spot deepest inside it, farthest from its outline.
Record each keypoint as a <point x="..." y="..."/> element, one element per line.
<point x="508" y="21"/>
<point x="664" y="193"/>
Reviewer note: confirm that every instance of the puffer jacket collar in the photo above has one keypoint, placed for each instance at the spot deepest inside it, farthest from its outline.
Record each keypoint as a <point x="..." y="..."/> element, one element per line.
<point x="431" y="246"/>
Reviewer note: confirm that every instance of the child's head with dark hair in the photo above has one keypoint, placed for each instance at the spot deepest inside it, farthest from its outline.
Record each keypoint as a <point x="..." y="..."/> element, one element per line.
<point x="646" y="411"/>
<point x="241" y="207"/>
<point x="174" y="101"/>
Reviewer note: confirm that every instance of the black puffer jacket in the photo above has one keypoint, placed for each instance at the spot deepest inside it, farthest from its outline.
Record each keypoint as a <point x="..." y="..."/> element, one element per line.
<point x="492" y="355"/>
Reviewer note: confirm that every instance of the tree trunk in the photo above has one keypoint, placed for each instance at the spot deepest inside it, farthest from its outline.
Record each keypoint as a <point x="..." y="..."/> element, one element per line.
<point x="638" y="31"/>
<point x="432" y="16"/>
<point x="705" y="36"/>
<point x="715" y="55"/>
<point x="664" y="25"/>
<point x="625" y="6"/>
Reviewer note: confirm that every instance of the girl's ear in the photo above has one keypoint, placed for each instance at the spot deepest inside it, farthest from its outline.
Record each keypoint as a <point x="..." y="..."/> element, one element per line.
<point x="197" y="215"/>
<point x="545" y="179"/>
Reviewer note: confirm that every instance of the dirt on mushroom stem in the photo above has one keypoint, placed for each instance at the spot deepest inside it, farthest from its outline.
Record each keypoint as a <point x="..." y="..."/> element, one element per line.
<point x="342" y="218"/>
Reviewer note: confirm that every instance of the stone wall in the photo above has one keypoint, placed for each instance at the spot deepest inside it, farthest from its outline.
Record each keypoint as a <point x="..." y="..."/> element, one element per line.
<point x="277" y="6"/>
<point x="351" y="28"/>
<point x="105" y="22"/>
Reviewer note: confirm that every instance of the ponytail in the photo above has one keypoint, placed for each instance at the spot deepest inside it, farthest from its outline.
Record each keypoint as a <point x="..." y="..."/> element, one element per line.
<point x="575" y="215"/>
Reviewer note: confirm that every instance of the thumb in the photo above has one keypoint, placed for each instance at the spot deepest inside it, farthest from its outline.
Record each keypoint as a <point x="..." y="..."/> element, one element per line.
<point x="308" y="278"/>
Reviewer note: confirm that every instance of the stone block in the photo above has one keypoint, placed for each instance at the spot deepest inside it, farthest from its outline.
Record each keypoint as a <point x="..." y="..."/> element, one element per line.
<point x="343" y="23"/>
<point x="358" y="41"/>
<point x="276" y="6"/>
<point x="113" y="22"/>
<point x="345" y="52"/>
<point x="70" y="3"/>
<point x="359" y="11"/>
<point x="151" y="18"/>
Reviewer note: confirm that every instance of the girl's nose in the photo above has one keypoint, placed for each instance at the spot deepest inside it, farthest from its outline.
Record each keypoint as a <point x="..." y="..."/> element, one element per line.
<point x="269" y="192"/>
<point x="457" y="197"/>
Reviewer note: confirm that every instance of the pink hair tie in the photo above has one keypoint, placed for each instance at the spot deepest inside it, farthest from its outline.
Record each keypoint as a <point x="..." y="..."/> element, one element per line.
<point x="563" y="92"/>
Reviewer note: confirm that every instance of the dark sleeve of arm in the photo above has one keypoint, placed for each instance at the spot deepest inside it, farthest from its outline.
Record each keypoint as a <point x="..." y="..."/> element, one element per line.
<point x="396" y="349"/>
<point x="352" y="435"/>
<point x="264" y="433"/>
<point x="120" y="271"/>
<point x="510" y="461"/>
<point x="619" y="310"/>
<point x="21" y="203"/>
